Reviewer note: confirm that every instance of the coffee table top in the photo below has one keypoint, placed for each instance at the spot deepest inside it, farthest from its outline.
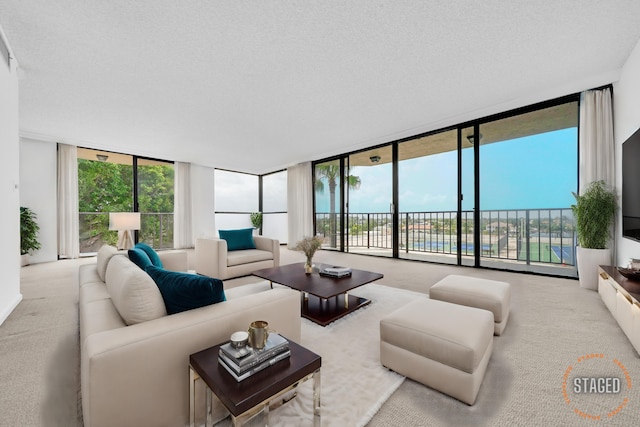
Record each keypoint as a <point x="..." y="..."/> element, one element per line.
<point x="239" y="397"/>
<point x="293" y="276"/>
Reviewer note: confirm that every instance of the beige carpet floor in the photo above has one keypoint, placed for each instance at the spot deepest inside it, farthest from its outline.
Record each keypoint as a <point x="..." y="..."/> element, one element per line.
<point x="553" y="322"/>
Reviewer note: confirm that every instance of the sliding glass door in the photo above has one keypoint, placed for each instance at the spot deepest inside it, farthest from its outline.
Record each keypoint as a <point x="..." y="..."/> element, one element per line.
<point x="328" y="202"/>
<point x="114" y="182"/>
<point x="494" y="192"/>
<point x="428" y="197"/>
<point x="527" y="175"/>
<point x="369" y="202"/>
<point x="467" y="235"/>
<point x="155" y="195"/>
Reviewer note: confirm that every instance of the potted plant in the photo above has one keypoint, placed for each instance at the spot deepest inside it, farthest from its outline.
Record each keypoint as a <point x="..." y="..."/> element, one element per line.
<point x="256" y="220"/>
<point x="309" y="246"/>
<point x="594" y="213"/>
<point x="28" y="234"/>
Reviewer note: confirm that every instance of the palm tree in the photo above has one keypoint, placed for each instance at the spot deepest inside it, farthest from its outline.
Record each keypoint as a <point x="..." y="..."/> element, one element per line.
<point x="331" y="173"/>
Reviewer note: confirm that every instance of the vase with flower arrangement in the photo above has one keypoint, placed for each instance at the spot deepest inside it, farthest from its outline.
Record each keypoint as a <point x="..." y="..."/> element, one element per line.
<point x="309" y="246"/>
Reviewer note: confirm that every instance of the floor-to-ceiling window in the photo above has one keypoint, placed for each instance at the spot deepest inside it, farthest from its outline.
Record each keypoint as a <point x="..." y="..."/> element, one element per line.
<point x="369" y="202"/>
<point x="236" y="198"/>
<point x="494" y="192"/>
<point x="328" y="180"/>
<point x="239" y="196"/>
<point x="528" y="171"/>
<point x="114" y="182"/>
<point x="428" y="197"/>
<point x="274" y="206"/>
<point x="155" y="196"/>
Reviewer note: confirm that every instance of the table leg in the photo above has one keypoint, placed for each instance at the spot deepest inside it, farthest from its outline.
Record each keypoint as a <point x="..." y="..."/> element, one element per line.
<point x="209" y="421"/>
<point x="316" y="398"/>
<point x="346" y="300"/>
<point x="266" y="414"/>
<point x="193" y="376"/>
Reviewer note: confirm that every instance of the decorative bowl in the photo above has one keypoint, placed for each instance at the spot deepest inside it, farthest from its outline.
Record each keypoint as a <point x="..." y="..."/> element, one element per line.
<point x="239" y="339"/>
<point x="629" y="273"/>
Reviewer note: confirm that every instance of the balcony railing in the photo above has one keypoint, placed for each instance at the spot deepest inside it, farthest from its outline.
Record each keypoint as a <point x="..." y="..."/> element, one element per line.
<point x="531" y="235"/>
<point x="156" y="230"/>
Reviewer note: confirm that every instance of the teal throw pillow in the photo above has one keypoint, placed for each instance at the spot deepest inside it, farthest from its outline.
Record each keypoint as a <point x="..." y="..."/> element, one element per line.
<point x="238" y="239"/>
<point x="139" y="257"/>
<point x="151" y="253"/>
<point x="185" y="291"/>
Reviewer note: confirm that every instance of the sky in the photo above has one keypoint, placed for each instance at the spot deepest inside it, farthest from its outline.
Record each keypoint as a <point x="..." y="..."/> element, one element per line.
<point x="534" y="172"/>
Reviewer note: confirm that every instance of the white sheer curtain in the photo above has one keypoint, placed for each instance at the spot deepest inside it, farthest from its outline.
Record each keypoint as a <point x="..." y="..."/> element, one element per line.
<point x="299" y="202"/>
<point x="182" y="230"/>
<point x="596" y="138"/>
<point x="68" y="215"/>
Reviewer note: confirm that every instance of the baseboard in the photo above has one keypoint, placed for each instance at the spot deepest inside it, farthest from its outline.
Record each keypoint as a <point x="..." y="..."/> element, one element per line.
<point x="7" y="311"/>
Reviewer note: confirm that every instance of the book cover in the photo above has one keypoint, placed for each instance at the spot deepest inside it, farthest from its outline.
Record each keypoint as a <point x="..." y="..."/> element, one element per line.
<point x="258" y="368"/>
<point x="264" y="357"/>
<point x="322" y="273"/>
<point x="247" y="355"/>
<point x="336" y="271"/>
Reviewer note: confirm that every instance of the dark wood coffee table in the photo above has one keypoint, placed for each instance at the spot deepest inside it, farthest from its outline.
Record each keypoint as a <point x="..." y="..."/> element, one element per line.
<point x="247" y="398"/>
<point x="323" y="299"/>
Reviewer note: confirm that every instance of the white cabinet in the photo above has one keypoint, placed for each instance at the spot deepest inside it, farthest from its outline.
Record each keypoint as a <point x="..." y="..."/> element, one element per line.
<point x="621" y="296"/>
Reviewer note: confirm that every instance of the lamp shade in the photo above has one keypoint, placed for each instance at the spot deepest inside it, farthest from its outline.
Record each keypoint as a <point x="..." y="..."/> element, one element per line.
<point x="124" y="221"/>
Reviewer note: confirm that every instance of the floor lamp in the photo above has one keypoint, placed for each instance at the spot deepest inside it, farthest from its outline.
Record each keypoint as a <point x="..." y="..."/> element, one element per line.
<point x="125" y="223"/>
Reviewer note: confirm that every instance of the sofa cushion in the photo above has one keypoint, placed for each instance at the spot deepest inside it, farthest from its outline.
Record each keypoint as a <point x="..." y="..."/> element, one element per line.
<point x="104" y="256"/>
<point x="151" y="253"/>
<point x="238" y="239"/>
<point x="185" y="291"/>
<point x="139" y="258"/>
<point x="99" y="316"/>
<point x="88" y="273"/>
<point x="248" y="256"/>
<point x="133" y="292"/>
<point x="93" y="291"/>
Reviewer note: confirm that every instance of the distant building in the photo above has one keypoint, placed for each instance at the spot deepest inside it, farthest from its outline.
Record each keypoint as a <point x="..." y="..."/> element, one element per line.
<point x="504" y="227"/>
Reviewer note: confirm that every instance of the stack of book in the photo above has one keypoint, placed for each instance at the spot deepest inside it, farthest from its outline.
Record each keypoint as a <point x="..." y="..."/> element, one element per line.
<point x="336" y="272"/>
<point x="243" y="362"/>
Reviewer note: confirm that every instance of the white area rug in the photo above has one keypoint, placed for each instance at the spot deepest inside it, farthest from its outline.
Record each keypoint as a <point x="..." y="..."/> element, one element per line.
<point x="354" y="383"/>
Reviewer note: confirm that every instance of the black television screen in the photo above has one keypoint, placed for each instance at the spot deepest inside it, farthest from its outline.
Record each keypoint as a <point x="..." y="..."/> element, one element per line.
<point x="631" y="187"/>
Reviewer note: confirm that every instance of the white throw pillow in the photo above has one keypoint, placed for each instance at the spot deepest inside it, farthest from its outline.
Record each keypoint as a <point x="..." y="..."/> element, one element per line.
<point x="104" y="256"/>
<point x="133" y="292"/>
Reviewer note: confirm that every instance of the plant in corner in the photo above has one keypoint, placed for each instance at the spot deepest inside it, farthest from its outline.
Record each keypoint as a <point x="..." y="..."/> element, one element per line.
<point x="28" y="234"/>
<point x="594" y="212"/>
<point x="256" y="221"/>
<point x="309" y="246"/>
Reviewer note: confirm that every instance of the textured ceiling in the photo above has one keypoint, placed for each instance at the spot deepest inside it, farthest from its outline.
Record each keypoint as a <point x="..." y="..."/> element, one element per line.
<point x="257" y="86"/>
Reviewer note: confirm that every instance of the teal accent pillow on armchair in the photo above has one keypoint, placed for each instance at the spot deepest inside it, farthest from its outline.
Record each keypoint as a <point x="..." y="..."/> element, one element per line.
<point x="186" y="291"/>
<point x="238" y="239"/>
<point x="151" y="253"/>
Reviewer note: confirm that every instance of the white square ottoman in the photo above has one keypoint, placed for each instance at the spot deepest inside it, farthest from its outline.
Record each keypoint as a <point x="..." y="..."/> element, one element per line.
<point x="444" y="346"/>
<point x="475" y="292"/>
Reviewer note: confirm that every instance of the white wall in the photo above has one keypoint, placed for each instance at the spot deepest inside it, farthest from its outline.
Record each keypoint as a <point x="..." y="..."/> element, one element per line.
<point x="626" y="98"/>
<point x="38" y="191"/>
<point x="203" y="201"/>
<point x="10" y="295"/>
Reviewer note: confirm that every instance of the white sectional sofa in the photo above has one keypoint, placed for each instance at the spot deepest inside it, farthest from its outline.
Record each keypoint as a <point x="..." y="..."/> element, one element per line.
<point x="136" y="372"/>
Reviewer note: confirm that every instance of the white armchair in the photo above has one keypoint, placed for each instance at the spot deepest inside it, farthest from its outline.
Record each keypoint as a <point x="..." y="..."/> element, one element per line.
<point x="214" y="260"/>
